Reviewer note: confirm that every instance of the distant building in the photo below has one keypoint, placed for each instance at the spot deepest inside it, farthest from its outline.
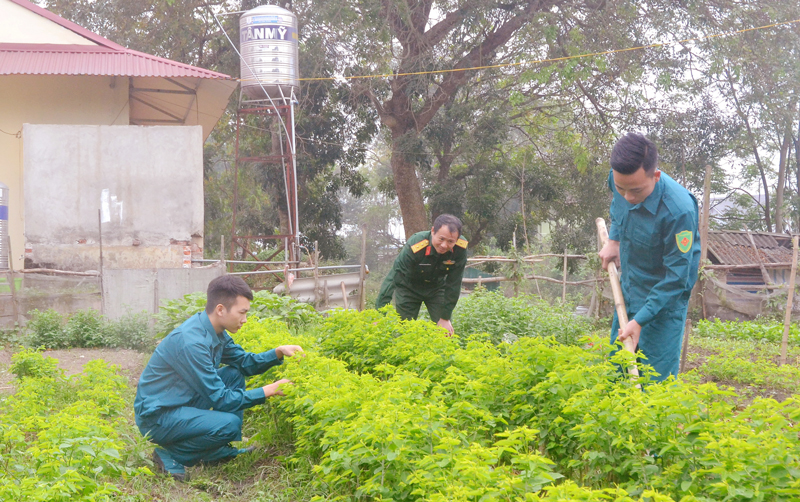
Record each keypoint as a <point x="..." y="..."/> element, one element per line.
<point x="749" y="273"/>
<point x="72" y="151"/>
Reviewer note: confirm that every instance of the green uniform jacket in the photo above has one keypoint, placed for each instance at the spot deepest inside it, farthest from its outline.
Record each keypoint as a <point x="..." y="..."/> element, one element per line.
<point x="421" y="269"/>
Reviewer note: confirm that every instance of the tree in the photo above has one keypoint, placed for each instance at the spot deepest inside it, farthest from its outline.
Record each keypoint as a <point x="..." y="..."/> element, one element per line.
<point x="427" y="46"/>
<point x="756" y="73"/>
<point x="332" y="127"/>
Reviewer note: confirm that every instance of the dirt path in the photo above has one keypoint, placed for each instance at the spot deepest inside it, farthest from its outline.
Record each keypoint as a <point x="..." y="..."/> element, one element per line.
<point x="71" y="361"/>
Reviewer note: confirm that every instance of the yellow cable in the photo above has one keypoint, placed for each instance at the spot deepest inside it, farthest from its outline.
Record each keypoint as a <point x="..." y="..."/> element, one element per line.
<point x="554" y="60"/>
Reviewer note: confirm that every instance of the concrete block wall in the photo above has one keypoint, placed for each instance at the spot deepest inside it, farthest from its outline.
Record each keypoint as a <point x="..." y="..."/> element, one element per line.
<point x="142" y="185"/>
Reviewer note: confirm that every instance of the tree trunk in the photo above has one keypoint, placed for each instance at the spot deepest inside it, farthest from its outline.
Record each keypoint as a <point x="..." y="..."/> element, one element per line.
<point x="409" y="192"/>
<point x="782" y="165"/>
<point x="754" y="145"/>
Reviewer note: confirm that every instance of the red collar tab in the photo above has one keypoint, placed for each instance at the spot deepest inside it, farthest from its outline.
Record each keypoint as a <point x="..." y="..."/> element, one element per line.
<point x="428" y="251"/>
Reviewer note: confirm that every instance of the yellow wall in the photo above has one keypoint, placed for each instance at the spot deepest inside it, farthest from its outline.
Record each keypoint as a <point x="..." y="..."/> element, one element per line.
<point x="18" y="25"/>
<point x="49" y="99"/>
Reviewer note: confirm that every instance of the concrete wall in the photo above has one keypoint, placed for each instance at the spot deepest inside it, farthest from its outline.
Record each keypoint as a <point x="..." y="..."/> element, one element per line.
<point x="146" y="183"/>
<point x="49" y="99"/>
<point x="136" y="290"/>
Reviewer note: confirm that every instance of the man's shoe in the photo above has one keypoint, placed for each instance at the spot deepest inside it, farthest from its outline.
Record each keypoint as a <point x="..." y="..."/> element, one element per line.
<point x="249" y="449"/>
<point x="166" y="464"/>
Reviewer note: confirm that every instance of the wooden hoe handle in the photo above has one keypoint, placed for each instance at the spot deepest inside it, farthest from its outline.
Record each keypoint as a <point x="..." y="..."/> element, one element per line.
<point x="616" y="290"/>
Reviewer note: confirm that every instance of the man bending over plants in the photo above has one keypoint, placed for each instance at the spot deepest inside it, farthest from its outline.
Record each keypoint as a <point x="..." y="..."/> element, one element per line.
<point x="185" y="402"/>
<point x="429" y="269"/>
<point x="653" y="236"/>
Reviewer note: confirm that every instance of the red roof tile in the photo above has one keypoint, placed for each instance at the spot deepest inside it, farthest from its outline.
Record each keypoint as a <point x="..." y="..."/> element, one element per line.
<point x="54" y="59"/>
<point x="106" y="58"/>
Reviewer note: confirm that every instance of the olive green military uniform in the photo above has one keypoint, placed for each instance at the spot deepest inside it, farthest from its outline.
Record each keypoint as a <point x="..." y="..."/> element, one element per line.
<point x="420" y="274"/>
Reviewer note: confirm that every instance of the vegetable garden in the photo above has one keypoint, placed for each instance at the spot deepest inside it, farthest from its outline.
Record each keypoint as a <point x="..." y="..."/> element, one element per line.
<point x="526" y="405"/>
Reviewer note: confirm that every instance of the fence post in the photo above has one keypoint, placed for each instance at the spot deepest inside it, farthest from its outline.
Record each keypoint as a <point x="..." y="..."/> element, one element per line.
<point x="687" y="331"/>
<point x="100" y="242"/>
<point x="316" y="275"/>
<point x="362" y="303"/>
<point x="564" y="288"/>
<point x="11" y="284"/>
<point x="789" y="303"/>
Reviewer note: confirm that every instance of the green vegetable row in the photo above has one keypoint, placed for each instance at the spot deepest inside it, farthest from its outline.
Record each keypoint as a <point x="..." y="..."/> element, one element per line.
<point x="385" y="409"/>
<point x="62" y="437"/>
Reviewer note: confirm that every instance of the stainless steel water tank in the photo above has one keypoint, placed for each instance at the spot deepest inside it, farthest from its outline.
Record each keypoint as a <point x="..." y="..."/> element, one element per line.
<point x="4" y="254"/>
<point x="268" y="43"/>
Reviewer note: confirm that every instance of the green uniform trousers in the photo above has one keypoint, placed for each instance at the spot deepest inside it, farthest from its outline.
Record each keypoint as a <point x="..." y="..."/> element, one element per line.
<point x="661" y="340"/>
<point x="408" y="302"/>
<point x="193" y="435"/>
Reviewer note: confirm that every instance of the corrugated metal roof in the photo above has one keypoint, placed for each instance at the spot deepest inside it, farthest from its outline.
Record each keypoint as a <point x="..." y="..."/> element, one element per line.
<point x="53" y="59"/>
<point x="107" y="58"/>
<point x="734" y="248"/>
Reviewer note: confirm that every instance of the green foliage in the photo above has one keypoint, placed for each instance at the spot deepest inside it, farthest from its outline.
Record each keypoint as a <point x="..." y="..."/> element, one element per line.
<point x="506" y="319"/>
<point x="84" y="328"/>
<point x="31" y="363"/>
<point x="172" y="313"/>
<point x="389" y="409"/>
<point x="87" y="328"/>
<point x="131" y="331"/>
<point x="46" y="329"/>
<point x="746" y="330"/>
<point x="761" y="373"/>
<point x="265" y="305"/>
<point x="61" y="436"/>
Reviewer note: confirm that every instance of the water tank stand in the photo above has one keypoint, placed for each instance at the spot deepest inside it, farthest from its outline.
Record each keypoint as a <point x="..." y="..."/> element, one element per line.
<point x="266" y="113"/>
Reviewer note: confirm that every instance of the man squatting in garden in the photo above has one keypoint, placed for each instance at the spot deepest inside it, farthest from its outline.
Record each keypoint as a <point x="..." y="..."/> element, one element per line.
<point x="654" y="238"/>
<point x="428" y="269"/>
<point x="185" y="402"/>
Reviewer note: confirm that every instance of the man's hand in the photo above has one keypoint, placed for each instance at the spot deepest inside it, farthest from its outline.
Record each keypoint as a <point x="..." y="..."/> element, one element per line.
<point x="273" y="389"/>
<point x="631" y="330"/>
<point x="444" y="323"/>
<point x="289" y="351"/>
<point x="609" y="253"/>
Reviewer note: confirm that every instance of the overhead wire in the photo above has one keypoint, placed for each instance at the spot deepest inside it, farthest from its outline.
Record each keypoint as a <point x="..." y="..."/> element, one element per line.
<point x="558" y="59"/>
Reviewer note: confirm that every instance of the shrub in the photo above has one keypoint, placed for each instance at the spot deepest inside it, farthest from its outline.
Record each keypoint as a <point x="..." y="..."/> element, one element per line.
<point x="265" y="305"/>
<point x="85" y="328"/>
<point x="46" y="329"/>
<point x="32" y="363"/>
<point x="506" y="319"/>
<point x="131" y="331"/>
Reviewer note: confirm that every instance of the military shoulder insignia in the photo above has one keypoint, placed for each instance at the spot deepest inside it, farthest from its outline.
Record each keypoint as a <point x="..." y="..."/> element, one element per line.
<point x="416" y="248"/>
<point x="684" y="240"/>
<point x="462" y="243"/>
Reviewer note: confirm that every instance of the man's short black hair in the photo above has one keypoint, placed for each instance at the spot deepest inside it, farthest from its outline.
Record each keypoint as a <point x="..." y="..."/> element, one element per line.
<point x="453" y="223"/>
<point x="225" y="290"/>
<point x="634" y="151"/>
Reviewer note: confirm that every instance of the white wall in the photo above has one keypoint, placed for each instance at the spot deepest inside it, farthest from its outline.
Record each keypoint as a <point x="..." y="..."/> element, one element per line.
<point x="49" y="99"/>
<point x="147" y="182"/>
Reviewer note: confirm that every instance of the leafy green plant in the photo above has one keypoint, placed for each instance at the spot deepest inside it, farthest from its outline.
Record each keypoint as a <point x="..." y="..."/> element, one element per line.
<point x="85" y="328"/>
<point x="131" y="331"/>
<point x="389" y="409"/>
<point x="61" y="438"/>
<point x="172" y="313"/>
<point x="265" y="305"/>
<point x="32" y="363"/>
<point x="506" y="319"/>
<point x="46" y="329"/>
<point x="746" y="330"/>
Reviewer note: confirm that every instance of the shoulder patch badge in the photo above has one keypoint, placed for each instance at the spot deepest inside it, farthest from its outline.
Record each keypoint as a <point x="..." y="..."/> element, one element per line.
<point x="462" y="243"/>
<point x="416" y="248"/>
<point x="684" y="240"/>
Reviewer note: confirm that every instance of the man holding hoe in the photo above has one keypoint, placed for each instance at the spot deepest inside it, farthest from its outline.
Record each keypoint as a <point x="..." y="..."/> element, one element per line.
<point x="185" y="402"/>
<point x="653" y="236"/>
